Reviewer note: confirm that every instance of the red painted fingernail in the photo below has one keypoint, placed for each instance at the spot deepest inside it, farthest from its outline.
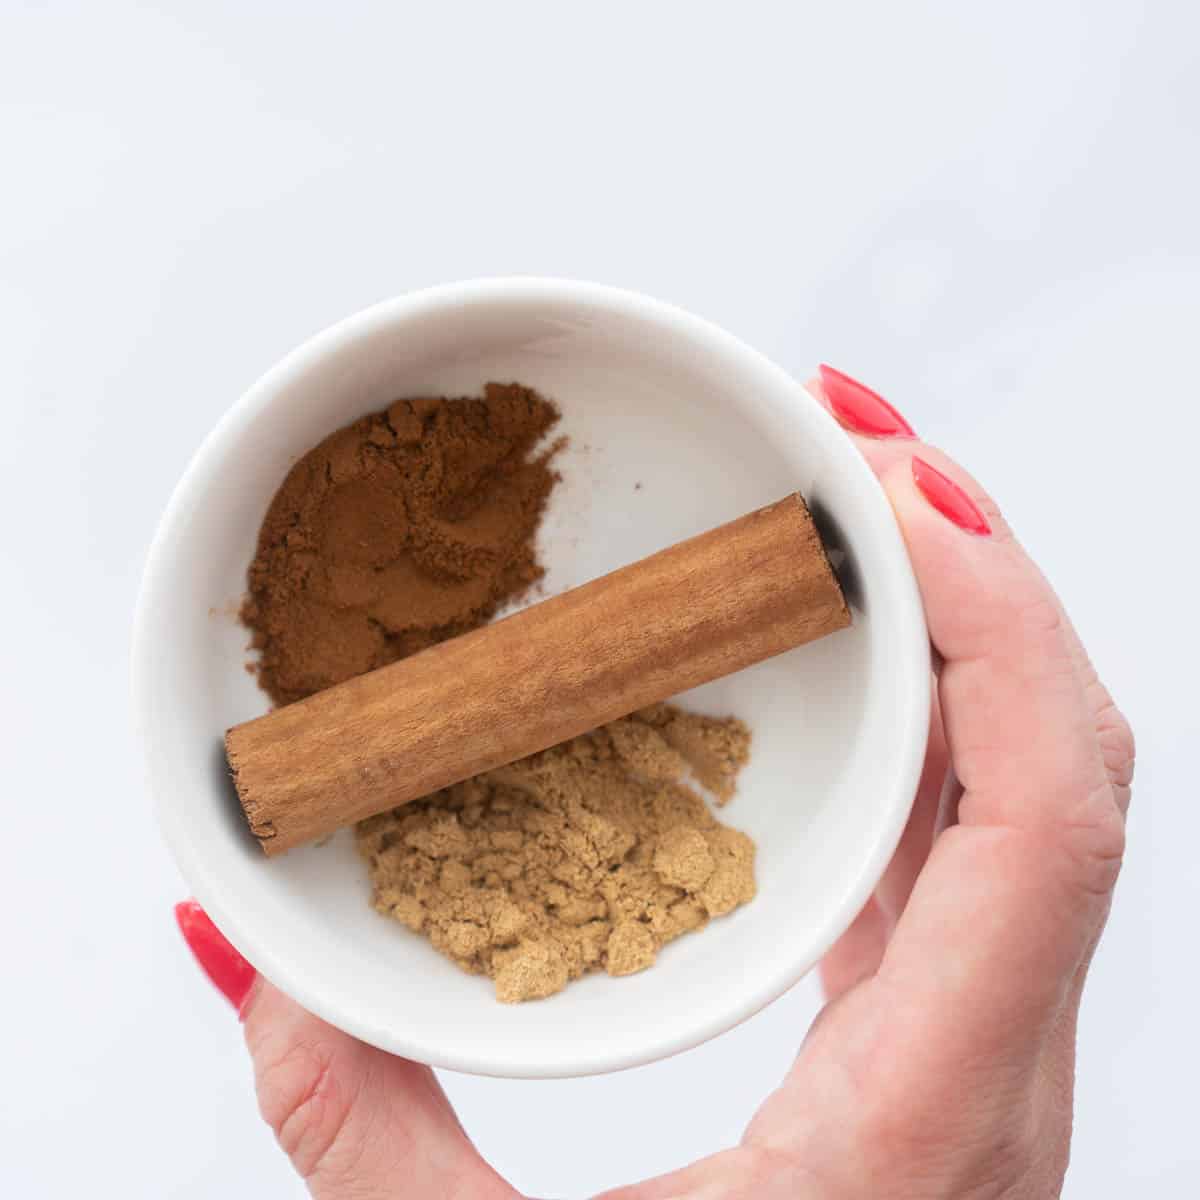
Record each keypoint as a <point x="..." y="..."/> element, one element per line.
<point x="859" y="409"/>
<point x="948" y="498"/>
<point x="231" y="973"/>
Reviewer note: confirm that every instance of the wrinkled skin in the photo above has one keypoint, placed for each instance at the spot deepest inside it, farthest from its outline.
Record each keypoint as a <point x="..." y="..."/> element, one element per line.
<point x="943" y="1064"/>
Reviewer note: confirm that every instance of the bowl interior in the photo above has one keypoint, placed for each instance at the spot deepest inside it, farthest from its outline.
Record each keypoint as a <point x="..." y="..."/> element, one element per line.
<point x="674" y="427"/>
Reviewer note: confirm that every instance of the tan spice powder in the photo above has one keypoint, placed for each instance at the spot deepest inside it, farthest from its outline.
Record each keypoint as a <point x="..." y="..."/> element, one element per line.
<point x="588" y="856"/>
<point x="417" y="524"/>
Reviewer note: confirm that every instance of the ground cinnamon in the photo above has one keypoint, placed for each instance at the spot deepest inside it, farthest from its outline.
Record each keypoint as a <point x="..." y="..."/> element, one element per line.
<point x="405" y="528"/>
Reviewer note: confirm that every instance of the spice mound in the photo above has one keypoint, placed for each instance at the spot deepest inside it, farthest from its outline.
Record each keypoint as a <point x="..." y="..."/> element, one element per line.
<point x="407" y="527"/>
<point x="589" y="856"/>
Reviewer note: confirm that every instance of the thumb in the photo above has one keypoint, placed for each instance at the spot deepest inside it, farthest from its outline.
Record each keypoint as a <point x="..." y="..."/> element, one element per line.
<point x="355" y="1121"/>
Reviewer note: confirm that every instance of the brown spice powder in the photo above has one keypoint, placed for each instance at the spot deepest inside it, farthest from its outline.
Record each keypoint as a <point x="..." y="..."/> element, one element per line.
<point x="591" y="855"/>
<point x="405" y="528"/>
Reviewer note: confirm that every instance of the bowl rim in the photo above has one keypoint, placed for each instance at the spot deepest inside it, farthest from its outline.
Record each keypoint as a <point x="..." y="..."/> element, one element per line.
<point x="203" y="877"/>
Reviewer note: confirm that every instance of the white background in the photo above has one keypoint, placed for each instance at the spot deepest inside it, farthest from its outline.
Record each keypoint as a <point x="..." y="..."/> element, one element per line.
<point x="988" y="212"/>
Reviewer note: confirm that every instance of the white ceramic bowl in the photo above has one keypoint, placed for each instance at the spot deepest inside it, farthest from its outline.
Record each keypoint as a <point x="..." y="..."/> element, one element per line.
<point x="675" y="427"/>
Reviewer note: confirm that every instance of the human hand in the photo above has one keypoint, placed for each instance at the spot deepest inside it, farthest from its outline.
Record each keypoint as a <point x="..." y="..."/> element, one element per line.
<point x="943" y="1064"/>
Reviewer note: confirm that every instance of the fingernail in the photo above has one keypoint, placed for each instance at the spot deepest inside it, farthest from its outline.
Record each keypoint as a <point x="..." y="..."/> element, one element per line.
<point x="948" y="498"/>
<point x="229" y="971"/>
<point x="859" y="409"/>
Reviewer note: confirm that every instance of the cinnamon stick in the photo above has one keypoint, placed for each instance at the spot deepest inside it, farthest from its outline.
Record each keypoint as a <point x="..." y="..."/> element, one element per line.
<point x="697" y="611"/>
